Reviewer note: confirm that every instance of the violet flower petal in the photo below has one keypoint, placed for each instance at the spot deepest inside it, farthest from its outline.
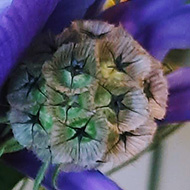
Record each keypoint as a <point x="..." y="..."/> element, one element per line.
<point x="95" y="9"/>
<point x="171" y="33"/>
<point x="178" y="108"/>
<point x="4" y="4"/>
<point x="18" y="25"/>
<point x="137" y="14"/>
<point x="67" y="11"/>
<point x="28" y="164"/>
<point x="179" y="80"/>
<point x="179" y="97"/>
<point x="150" y="21"/>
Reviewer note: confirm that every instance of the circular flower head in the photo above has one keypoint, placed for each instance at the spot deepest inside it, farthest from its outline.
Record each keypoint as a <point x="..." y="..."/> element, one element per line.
<point x="92" y="98"/>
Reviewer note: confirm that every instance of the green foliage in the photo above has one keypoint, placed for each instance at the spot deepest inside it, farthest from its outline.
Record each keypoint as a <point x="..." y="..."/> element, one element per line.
<point x="40" y="176"/>
<point x="176" y="58"/>
<point x="11" y="145"/>
<point x="1" y="151"/>
<point x="55" y="175"/>
<point x="9" y="177"/>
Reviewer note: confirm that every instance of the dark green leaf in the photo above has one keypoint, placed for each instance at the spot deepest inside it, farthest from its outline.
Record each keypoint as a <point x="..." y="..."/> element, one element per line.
<point x="9" y="177"/>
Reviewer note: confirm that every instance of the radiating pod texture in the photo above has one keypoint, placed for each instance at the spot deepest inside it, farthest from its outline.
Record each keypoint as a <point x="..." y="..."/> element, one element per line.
<point x="86" y="97"/>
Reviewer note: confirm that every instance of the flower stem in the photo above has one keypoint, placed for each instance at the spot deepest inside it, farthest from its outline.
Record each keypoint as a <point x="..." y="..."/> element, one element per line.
<point x="155" y="169"/>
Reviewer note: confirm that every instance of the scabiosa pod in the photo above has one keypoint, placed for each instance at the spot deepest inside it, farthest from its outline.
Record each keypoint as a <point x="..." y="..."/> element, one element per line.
<point x="88" y="96"/>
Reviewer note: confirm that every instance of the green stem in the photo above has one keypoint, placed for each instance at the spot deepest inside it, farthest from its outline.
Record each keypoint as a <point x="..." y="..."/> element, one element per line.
<point x="3" y="119"/>
<point x="155" y="168"/>
<point x="24" y="184"/>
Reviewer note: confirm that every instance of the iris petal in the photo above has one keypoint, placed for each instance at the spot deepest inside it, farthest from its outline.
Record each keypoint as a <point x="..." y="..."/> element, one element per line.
<point x="3" y="5"/>
<point x="150" y="21"/>
<point x="95" y="9"/>
<point x="28" y="164"/>
<point x="171" y="33"/>
<point x="179" y="80"/>
<point x="178" y="107"/>
<point x="136" y="14"/>
<point x="18" y="25"/>
<point x="179" y="102"/>
<point x="67" y="11"/>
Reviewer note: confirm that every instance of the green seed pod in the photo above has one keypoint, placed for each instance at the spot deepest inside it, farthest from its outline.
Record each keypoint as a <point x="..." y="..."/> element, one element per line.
<point x="87" y="96"/>
<point x="81" y="141"/>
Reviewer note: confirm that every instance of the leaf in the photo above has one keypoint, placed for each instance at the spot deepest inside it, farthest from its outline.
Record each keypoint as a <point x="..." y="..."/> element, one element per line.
<point x="162" y="133"/>
<point x="40" y="175"/>
<point x="9" y="177"/>
<point x="11" y="145"/>
<point x="55" y="175"/>
<point x="3" y="119"/>
<point x="1" y="151"/>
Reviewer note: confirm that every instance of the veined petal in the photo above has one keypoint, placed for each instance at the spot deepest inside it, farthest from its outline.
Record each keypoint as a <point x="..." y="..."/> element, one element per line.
<point x="69" y="10"/>
<point x="18" y="25"/>
<point x="179" y="102"/>
<point x="28" y="164"/>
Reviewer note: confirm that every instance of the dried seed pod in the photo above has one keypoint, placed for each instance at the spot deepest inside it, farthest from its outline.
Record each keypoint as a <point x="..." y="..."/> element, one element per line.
<point x="92" y="96"/>
<point x="72" y="68"/>
<point x="81" y="141"/>
<point x="155" y="88"/>
<point x="123" y="146"/>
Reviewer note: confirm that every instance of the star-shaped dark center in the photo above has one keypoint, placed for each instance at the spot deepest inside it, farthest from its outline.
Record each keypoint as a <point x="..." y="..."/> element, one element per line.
<point x="94" y="36"/>
<point x="80" y="133"/>
<point x="76" y="67"/>
<point x="35" y="119"/>
<point x="116" y="103"/>
<point x="119" y="64"/>
<point x="32" y="82"/>
<point x="123" y="138"/>
<point x="147" y="90"/>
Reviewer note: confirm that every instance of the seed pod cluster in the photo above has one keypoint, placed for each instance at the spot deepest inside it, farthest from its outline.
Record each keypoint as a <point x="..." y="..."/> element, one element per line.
<point x="87" y="96"/>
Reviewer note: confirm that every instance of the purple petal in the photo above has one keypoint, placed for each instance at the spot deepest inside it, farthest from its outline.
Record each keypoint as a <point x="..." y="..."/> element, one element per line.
<point x="137" y="14"/>
<point x="65" y="12"/>
<point x="153" y="23"/>
<point x="179" y="80"/>
<point x="171" y="33"/>
<point x="28" y="164"/>
<point x="3" y="5"/>
<point x="179" y="98"/>
<point x="18" y="25"/>
<point x="178" y="107"/>
<point x="94" y="9"/>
